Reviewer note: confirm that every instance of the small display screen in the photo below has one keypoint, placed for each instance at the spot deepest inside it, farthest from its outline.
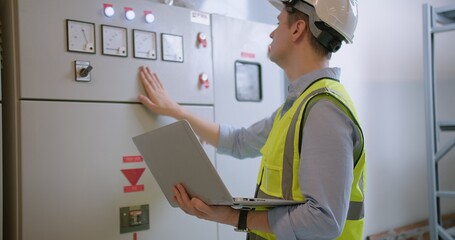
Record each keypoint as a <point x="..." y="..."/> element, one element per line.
<point x="248" y="81"/>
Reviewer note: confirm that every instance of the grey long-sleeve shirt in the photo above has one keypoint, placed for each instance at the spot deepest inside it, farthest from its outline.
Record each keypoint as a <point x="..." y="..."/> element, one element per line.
<point x="326" y="165"/>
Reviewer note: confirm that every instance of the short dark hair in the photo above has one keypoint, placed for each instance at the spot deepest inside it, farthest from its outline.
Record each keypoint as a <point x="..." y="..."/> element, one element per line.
<point x="293" y="16"/>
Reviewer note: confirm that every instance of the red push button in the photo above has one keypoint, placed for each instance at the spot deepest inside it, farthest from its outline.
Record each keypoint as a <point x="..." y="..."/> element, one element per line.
<point x="204" y="80"/>
<point x="202" y="39"/>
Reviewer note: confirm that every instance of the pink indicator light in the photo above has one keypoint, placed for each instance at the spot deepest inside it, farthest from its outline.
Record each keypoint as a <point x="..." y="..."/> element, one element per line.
<point x="149" y="17"/>
<point x="108" y="10"/>
<point x="129" y="13"/>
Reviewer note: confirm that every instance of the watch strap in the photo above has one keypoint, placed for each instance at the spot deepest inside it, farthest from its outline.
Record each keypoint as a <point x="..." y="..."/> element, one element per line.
<point x="241" y="225"/>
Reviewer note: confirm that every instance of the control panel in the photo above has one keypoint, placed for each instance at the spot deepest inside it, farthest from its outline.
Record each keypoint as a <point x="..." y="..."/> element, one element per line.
<point x="95" y="50"/>
<point x="76" y="69"/>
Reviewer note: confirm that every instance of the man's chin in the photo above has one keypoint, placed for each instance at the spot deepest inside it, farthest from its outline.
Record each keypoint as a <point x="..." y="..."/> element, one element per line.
<point x="270" y="56"/>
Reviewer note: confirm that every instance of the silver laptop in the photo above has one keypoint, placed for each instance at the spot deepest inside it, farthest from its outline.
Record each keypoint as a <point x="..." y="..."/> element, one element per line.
<point x="174" y="155"/>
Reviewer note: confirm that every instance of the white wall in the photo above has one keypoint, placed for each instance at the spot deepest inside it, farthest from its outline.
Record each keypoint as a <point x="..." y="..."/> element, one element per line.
<point x="383" y="70"/>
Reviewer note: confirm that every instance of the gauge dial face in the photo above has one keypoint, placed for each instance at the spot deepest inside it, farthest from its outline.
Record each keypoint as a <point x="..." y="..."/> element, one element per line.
<point x="81" y="36"/>
<point x="114" y="41"/>
<point x="144" y="44"/>
<point x="172" y="47"/>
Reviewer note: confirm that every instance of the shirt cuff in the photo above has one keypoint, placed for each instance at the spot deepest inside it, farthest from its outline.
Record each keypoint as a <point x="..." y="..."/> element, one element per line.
<point x="280" y="223"/>
<point x="225" y="141"/>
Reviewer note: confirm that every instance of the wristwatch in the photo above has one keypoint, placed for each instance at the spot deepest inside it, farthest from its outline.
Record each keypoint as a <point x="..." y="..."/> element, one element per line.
<point x="241" y="225"/>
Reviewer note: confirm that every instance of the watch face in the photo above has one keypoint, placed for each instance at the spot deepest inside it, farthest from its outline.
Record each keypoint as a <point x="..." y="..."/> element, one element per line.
<point x="114" y="41"/>
<point x="80" y="36"/>
<point x="144" y="44"/>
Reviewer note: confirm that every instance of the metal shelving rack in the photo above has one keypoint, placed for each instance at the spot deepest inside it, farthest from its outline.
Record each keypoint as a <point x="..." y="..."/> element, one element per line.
<point x="435" y="20"/>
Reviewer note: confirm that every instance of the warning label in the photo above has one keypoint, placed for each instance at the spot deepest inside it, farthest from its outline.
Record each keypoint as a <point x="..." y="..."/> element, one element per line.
<point x="133" y="175"/>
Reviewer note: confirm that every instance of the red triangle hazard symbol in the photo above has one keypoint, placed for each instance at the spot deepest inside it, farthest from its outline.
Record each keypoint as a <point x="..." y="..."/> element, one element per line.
<point x="133" y="175"/>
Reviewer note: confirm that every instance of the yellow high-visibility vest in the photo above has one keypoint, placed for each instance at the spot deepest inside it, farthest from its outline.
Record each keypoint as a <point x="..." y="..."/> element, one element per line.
<point x="278" y="174"/>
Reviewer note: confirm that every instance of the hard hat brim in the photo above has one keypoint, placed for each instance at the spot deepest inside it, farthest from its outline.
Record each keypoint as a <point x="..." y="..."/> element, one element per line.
<point x="277" y="4"/>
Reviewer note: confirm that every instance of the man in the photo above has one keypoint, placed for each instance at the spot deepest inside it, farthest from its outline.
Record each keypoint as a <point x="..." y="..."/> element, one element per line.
<point x="312" y="146"/>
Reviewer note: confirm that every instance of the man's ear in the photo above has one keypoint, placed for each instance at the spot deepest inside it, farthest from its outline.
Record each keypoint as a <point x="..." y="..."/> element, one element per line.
<point x="299" y="29"/>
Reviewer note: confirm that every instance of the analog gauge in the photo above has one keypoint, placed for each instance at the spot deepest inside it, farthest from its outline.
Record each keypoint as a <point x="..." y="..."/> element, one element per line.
<point x="172" y="47"/>
<point x="114" y="41"/>
<point x="144" y="44"/>
<point x="81" y="36"/>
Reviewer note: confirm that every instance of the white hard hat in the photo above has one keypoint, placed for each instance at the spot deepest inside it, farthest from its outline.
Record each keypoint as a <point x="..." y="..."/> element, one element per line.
<point x="337" y="17"/>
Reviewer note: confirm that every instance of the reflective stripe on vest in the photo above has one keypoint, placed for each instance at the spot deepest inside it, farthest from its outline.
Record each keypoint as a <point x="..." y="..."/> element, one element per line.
<point x="290" y="157"/>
